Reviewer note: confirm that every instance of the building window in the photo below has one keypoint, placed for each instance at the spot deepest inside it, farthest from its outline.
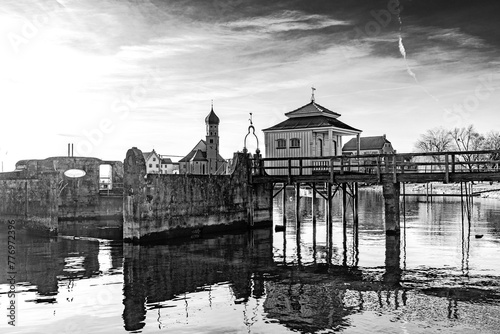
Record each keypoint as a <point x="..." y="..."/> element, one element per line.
<point x="280" y="143"/>
<point x="211" y="141"/>
<point x="150" y="165"/>
<point x="294" y="143"/>
<point x="154" y="159"/>
<point x="157" y="165"/>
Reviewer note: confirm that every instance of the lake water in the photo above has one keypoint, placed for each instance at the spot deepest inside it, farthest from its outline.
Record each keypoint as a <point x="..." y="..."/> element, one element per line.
<point x="441" y="278"/>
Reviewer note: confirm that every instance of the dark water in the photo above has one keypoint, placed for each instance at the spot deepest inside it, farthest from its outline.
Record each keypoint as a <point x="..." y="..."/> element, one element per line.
<point x="438" y="277"/>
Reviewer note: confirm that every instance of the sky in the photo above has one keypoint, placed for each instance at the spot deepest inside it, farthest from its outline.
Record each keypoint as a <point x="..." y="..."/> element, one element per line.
<point x="108" y="75"/>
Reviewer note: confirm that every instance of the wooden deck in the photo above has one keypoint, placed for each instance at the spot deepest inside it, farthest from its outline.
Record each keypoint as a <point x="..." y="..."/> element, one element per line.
<point x="446" y="167"/>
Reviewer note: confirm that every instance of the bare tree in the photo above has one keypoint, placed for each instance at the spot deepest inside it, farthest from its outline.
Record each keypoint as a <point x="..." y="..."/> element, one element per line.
<point x="492" y="142"/>
<point x="468" y="139"/>
<point x="434" y="140"/>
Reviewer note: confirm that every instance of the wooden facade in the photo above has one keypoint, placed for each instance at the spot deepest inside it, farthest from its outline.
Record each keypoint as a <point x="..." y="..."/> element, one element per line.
<point x="310" y="131"/>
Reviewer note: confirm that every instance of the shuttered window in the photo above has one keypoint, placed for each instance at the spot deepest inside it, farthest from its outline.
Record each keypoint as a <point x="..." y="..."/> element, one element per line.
<point x="280" y="143"/>
<point x="294" y="143"/>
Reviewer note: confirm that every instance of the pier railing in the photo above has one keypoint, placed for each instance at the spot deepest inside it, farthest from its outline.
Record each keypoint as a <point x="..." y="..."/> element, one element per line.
<point x="446" y="163"/>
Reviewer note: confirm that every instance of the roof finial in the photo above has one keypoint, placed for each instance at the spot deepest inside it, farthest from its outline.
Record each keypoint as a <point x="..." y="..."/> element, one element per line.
<point x="212" y="105"/>
<point x="251" y="123"/>
<point x="312" y="95"/>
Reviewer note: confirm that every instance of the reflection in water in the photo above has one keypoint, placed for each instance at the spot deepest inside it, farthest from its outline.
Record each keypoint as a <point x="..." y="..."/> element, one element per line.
<point x="155" y="274"/>
<point x="434" y="278"/>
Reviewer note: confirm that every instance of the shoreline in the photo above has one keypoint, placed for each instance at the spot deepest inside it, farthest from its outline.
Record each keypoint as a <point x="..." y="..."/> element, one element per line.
<point x="481" y="189"/>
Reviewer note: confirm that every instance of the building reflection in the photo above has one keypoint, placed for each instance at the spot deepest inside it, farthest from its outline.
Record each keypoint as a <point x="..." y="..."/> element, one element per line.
<point x="154" y="274"/>
<point x="44" y="262"/>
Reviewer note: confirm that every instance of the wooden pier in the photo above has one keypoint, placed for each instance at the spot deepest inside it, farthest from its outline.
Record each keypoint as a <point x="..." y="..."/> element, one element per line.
<point x="345" y="173"/>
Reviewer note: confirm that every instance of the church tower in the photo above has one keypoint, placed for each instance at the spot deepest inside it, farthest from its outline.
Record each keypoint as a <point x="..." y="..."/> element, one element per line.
<point x="212" y="139"/>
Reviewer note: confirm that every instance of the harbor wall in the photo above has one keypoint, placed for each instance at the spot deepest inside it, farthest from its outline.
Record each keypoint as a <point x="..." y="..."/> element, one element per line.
<point x="39" y="196"/>
<point x="160" y="207"/>
<point x="30" y="202"/>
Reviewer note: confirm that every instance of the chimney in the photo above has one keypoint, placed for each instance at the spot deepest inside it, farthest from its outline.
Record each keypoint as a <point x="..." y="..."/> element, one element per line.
<point x="71" y="150"/>
<point x="68" y="150"/>
<point x="384" y="136"/>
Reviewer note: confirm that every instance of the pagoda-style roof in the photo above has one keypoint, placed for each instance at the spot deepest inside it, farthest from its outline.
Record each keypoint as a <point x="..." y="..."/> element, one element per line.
<point x="310" y="116"/>
<point x="312" y="109"/>
<point x="311" y="122"/>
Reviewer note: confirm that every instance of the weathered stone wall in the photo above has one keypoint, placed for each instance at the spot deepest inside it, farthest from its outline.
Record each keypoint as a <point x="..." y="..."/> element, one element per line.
<point x="158" y="207"/>
<point x="38" y="194"/>
<point x="31" y="202"/>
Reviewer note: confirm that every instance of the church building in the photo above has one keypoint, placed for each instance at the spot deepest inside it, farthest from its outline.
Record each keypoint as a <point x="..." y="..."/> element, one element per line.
<point x="204" y="158"/>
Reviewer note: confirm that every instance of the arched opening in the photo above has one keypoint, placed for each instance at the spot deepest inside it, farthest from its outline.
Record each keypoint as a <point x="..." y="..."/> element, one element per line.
<point x="203" y="169"/>
<point x="334" y="143"/>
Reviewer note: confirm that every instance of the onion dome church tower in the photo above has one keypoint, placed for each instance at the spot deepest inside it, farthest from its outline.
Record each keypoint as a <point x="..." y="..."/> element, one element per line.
<point x="212" y="140"/>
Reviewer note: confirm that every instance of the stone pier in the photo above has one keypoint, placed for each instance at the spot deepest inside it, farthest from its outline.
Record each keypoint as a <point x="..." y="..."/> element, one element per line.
<point x="158" y="207"/>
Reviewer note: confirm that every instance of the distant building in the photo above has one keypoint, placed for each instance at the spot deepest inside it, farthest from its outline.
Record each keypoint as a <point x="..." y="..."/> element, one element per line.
<point x="169" y="167"/>
<point x="369" y="145"/>
<point x="152" y="160"/>
<point x="204" y="158"/>
<point x="310" y="131"/>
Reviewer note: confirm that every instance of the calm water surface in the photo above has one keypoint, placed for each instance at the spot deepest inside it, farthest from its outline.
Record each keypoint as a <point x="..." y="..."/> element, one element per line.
<point x="438" y="277"/>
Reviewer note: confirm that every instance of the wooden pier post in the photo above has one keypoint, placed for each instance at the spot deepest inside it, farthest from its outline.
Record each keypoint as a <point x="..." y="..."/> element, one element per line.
<point x="297" y="205"/>
<point x="329" y="224"/>
<point x="344" y="221"/>
<point x="313" y="206"/>
<point x="284" y="205"/>
<point x="355" y="216"/>
<point x="391" y="202"/>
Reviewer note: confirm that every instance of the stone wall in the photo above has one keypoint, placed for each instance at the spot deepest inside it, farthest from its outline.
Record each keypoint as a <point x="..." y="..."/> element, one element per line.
<point x="31" y="202"/>
<point x="38" y="194"/>
<point x="158" y="207"/>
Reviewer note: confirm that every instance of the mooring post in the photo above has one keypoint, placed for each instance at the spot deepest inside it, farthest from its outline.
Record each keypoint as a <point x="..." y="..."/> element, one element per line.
<point x="391" y="193"/>
<point x="314" y="220"/>
<point x="313" y="206"/>
<point x="344" y="221"/>
<point x="284" y="205"/>
<point x="329" y="224"/>
<point x="297" y="206"/>
<point x="355" y="215"/>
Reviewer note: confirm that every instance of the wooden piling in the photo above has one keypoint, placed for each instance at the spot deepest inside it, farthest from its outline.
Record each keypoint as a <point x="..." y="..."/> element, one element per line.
<point x="344" y="221"/>
<point x="355" y="216"/>
<point x="284" y="205"/>
<point x="391" y="193"/>
<point x="297" y="205"/>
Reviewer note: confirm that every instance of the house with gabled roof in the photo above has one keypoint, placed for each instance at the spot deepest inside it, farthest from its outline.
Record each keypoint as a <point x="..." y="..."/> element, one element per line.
<point x="204" y="158"/>
<point x="168" y="166"/>
<point x="369" y="145"/>
<point x="152" y="160"/>
<point x="309" y="131"/>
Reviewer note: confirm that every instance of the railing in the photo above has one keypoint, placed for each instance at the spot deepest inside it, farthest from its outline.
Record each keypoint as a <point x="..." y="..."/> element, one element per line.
<point x="432" y="162"/>
<point x="115" y="189"/>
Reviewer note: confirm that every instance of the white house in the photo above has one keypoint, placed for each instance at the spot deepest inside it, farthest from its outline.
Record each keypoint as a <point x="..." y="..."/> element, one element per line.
<point x="169" y="167"/>
<point x="309" y="131"/>
<point x="152" y="162"/>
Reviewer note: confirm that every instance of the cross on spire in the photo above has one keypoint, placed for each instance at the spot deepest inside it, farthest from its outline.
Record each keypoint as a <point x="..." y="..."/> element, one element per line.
<point x="312" y="95"/>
